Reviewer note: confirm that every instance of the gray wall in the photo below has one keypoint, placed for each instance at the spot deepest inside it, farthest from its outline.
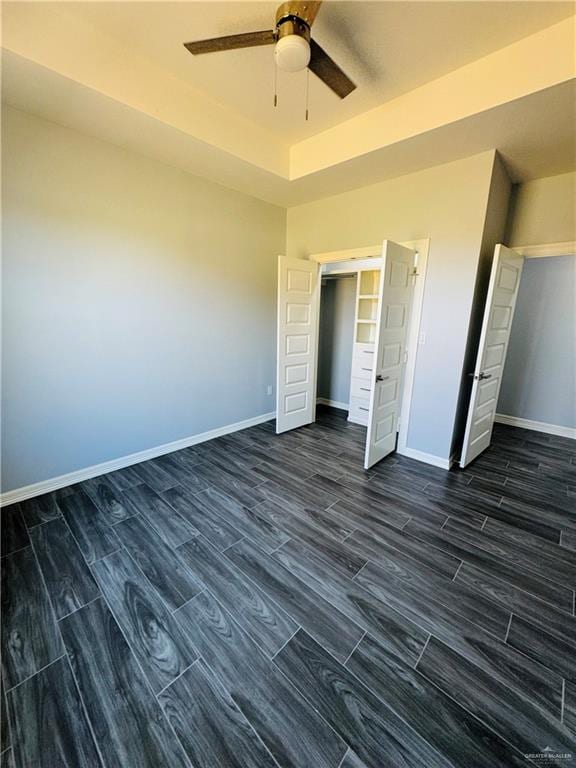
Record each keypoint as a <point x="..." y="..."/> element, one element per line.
<point x="447" y="204"/>
<point x="139" y="302"/>
<point x="539" y="381"/>
<point x="337" y="309"/>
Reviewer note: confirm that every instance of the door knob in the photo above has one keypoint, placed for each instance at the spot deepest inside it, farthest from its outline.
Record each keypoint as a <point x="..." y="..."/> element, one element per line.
<point x="381" y="378"/>
<point x="482" y="376"/>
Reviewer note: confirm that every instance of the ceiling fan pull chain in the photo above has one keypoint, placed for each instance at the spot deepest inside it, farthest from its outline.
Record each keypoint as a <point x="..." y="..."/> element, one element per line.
<point x="275" y="83"/>
<point x="307" y="90"/>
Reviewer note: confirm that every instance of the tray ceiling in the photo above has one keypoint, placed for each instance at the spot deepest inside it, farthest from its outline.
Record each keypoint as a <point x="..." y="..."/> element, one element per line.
<point x="387" y="48"/>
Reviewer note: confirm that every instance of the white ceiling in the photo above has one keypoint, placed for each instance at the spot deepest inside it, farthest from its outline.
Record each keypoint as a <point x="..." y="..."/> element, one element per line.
<point x="387" y="48"/>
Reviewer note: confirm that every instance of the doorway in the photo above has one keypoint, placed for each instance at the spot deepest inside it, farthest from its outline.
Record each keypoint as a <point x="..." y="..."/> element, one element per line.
<point x="506" y="279"/>
<point x="389" y="290"/>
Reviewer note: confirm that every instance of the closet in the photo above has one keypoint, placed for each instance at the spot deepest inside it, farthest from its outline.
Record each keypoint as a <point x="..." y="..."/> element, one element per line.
<point x="348" y="317"/>
<point x="383" y="318"/>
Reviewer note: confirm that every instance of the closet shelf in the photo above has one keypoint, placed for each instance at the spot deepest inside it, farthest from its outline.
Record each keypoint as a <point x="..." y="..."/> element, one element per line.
<point x="368" y="282"/>
<point x="366" y="323"/>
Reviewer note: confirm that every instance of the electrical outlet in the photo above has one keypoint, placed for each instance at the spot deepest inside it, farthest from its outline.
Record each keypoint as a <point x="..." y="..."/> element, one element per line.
<point x="269" y="389"/>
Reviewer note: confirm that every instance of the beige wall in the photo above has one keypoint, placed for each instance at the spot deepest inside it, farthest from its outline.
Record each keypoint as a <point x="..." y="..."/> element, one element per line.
<point x="543" y="211"/>
<point x="448" y="204"/>
<point x="139" y="302"/>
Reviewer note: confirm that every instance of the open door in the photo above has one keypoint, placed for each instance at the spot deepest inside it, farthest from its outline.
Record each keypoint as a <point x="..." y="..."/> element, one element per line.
<point x="393" y="319"/>
<point x="298" y="304"/>
<point x="496" y="326"/>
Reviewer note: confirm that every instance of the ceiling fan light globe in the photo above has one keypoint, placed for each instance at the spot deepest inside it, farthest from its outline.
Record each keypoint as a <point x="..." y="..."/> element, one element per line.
<point x="292" y="53"/>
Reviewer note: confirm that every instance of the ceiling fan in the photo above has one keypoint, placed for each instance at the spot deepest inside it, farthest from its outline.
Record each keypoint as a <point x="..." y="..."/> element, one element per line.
<point x="295" y="49"/>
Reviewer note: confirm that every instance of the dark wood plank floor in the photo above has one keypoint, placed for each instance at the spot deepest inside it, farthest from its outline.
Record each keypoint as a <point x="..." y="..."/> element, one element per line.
<point x="260" y="600"/>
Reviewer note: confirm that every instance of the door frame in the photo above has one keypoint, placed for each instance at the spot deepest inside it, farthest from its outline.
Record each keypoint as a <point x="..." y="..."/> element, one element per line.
<point x="542" y="250"/>
<point x="422" y="249"/>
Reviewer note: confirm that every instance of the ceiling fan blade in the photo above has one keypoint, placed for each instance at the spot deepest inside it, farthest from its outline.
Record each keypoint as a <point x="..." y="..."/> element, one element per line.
<point x="329" y="72"/>
<point x="229" y="42"/>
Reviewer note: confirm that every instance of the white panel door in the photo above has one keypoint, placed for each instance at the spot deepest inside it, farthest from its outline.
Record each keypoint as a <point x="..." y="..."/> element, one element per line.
<point x="298" y="304"/>
<point x="496" y="327"/>
<point x="393" y="319"/>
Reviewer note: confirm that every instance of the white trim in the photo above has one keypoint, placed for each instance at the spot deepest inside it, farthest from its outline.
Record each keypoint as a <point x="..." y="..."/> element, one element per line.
<point x="427" y="458"/>
<point x="333" y="403"/>
<point x="567" y="248"/>
<point x="28" y="491"/>
<point x="537" y="426"/>
<point x="421" y="247"/>
<point x="348" y="266"/>
<point x="367" y="252"/>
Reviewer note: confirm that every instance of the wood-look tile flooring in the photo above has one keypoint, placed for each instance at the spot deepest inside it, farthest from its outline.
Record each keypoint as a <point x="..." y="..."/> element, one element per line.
<point x="260" y="601"/>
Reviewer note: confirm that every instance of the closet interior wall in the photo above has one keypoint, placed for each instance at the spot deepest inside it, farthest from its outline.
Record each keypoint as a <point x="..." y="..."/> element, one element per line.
<point x="336" y="339"/>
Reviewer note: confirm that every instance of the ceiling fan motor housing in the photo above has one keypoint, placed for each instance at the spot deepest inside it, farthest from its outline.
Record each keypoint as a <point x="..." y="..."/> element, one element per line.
<point x="292" y="11"/>
<point x="292" y="50"/>
<point x="292" y="25"/>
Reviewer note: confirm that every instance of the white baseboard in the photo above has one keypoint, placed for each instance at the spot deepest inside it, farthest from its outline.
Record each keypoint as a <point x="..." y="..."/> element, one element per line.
<point x="36" y="489"/>
<point x="427" y="458"/>
<point x="537" y="426"/>
<point x="333" y="403"/>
